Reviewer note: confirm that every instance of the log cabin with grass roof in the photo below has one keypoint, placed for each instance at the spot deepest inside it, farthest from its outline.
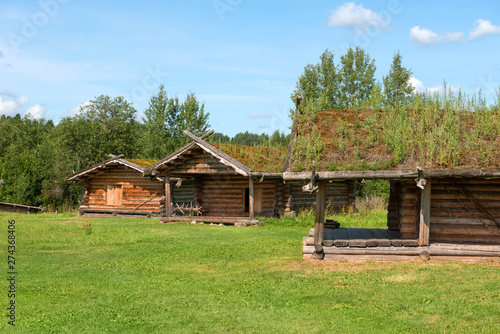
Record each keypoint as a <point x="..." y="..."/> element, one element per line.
<point x="233" y="184"/>
<point x="443" y="170"/>
<point x="116" y="187"/>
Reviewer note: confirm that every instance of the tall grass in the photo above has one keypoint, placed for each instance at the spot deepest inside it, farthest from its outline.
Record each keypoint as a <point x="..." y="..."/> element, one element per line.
<point x="430" y="129"/>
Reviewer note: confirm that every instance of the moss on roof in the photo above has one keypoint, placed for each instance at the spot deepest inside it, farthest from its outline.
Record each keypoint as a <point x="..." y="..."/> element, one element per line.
<point x="257" y="158"/>
<point x="404" y="139"/>
<point x="142" y="162"/>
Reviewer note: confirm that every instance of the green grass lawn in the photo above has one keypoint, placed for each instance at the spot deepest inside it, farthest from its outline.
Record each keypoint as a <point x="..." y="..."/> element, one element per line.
<point x="139" y="276"/>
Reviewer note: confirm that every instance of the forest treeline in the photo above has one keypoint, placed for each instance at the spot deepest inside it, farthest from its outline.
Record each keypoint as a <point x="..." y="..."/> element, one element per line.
<point x="37" y="155"/>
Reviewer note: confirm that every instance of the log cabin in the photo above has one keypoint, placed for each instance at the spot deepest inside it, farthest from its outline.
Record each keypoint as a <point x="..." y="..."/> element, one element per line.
<point x="438" y="208"/>
<point x="117" y="187"/>
<point x="225" y="189"/>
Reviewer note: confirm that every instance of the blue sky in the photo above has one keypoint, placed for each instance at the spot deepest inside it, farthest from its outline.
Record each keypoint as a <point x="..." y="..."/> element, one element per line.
<point x="241" y="57"/>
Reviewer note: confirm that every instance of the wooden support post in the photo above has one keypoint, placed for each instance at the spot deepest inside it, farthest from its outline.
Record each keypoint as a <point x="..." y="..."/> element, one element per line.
<point x="251" y="200"/>
<point x="425" y="215"/>
<point x="319" y="221"/>
<point x="168" y="197"/>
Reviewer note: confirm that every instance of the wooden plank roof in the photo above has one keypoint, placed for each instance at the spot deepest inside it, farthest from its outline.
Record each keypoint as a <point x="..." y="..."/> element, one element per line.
<point x="114" y="160"/>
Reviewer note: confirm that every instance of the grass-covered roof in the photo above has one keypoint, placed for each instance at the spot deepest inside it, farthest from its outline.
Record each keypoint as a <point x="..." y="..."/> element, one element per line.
<point x="257" y="158"/>
<point x="399" y="139"/>
<point x="142" y="162"/>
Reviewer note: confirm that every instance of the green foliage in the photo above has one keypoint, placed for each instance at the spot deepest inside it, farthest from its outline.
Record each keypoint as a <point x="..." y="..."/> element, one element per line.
<point x="318" y="83"/>
<point x="166" y="118"/>
<point x="36" y="156"/>
<point x="160" y="117"/>
<point x="397" y="87"/>
<point x="356" y="78"/>
<point x="309" y="146"/>
<point x="373" y="188"/>
<point x="341" y="86"/>
<point x="277" y="139"/>
<point x="26" y="158"/>
<point x="108" y="125"/>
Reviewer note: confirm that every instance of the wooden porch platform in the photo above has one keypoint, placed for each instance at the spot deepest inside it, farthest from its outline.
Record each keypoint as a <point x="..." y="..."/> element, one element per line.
<point x="380" y="245"/>
<point x="237" y="221"/>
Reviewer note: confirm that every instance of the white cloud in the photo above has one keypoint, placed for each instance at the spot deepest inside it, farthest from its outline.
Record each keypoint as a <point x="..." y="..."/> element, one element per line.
<point x="425" y="36"/>
<point x="36" y="111"/>
<point x="12" y="106"/>
<point x="75" y="110"/>
<point x="483" y="28"/>
<point x="259" y="115"/>
<point x="356" y="17"/>
<point x="439" y="89"/>
<point x="419" y="86"/>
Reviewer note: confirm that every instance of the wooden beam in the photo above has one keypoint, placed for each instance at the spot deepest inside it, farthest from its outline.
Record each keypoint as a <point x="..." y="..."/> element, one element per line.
<point x="251" y="200"/>
<point x="319" y="221"/>
<point x="168" y="196"/>
<point x="393" y="174"/>
<point x="351" y="175"/>
<point x="425" y="213"/>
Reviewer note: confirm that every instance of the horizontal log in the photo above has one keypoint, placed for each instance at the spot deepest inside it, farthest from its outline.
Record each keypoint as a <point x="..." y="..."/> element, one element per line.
<point x="416" y="251"/>
<point x="460" y="222"/>
<point x="462" y="212"/>
<point x="351" y="175"/>
<point x="119" y="211"/>
<point x="393" y="174"/>
<point x="443" y="195"/>
<point x="225" y="220"/>
<point x="485" y="239"/>
<point x="456" y="204"/>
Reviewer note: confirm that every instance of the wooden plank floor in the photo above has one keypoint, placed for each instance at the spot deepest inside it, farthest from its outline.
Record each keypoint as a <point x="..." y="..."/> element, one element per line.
<point x="362" y="238"/>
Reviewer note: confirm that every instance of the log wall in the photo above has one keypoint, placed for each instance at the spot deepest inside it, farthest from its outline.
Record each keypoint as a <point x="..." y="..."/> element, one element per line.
<point x="339" y="196"/>
<point x="453" y="215"/>
<point x="225" y="196"/>
<point x="184" y="195"/>
<point x="138" y="193"/>
<point x="455" y="218"/>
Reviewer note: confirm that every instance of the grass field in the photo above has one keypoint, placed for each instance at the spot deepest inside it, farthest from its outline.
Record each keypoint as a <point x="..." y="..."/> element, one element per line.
<point x="139" y="276"/>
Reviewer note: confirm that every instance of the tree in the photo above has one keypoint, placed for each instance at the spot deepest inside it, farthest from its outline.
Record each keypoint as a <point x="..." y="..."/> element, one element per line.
<point x="166" y="118"/>
<point x="26" y="158"/>
<point x="397" y="85"/>
<point x="346" y="85"/>
<point x="112" y="127"/>
<point x="319" y="82"/>
<point x="161" y="116"/>
<point x="356" y="78"/>
<point x="192" y="117"/>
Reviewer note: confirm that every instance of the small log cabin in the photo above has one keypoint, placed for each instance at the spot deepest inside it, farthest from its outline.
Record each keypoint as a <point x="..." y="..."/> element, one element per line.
<point x="449" y="212"/>
<point x="117" y="187"/>
<point x="225" y="190"/>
